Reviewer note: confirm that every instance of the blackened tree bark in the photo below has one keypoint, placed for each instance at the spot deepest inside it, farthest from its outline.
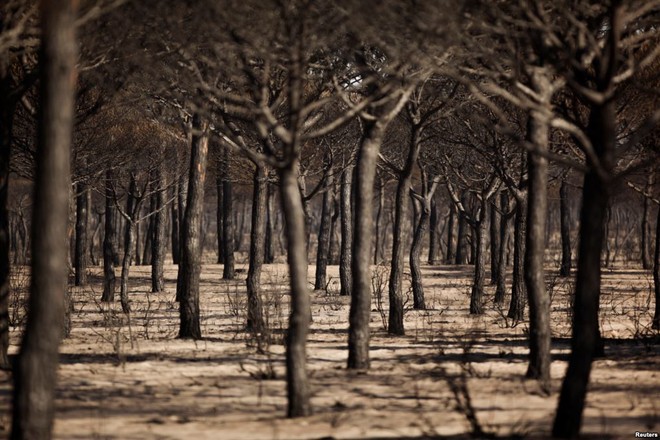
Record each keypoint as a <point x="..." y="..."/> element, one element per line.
<point x="228" y="271"/>
<point x="345" y="278"/>
<point x="298" y="391"/>
<point x="646" y="227"/>
<point x="219" y="216"/>
<point x="518" y="292"/>
<point x="133" y="202"/>
<point x="500" y="290"/>
<point x="451" y="248"/>
<point x="182" y="194"/>
<point x="422" y="204"/>
<point x="434" y="243"/>
<point x="36" y="368"/>
<point x="656" y="274"/>
<point x="565" y="226"/>
<point x="82" y="225"/>
<point x="585" y="341"/>
<point x="158" y="239"/>
<point x="147" y="248"/>
<point x="461" y="238"/>
<point x="333" y="252"/>
<point x="109" y="240"/>
<point x="270" y="226"/>
<point x="358" y="333"/>
<point x="191" y="265"/>
<point x="175" y="226"/>
<point x="137" y="240"/>
<point x="495" y="236"/>
<point x="520" y="192"/>
<point x="323" y="248"/>
<point x="255" y="319"/>
<point x="534" y="273"/>
<point x="478" y="285"/>
<point x="379" y="215"/>
<point x="365" y="173"/>
<point x="94" y="248"/>
<point x="404" y="176"/>
<point x="241" y="213"/>
<point x="7" y="108"/>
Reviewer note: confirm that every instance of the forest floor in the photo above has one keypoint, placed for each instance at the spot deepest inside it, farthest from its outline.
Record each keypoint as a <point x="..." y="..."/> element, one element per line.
<point x="122" y="379"/>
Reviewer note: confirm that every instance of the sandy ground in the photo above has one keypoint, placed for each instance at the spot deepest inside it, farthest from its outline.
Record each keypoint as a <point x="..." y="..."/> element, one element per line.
<point x="132" y="379"/>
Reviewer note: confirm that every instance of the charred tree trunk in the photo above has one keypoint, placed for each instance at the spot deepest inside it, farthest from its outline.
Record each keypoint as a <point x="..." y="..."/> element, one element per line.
<point x="479" y="281"/>
<point x="190" y="266"/>
<point x="6" y="119"/>
<point x="358" y="331"/>
<point x="82" y="225"/>
<point x="298" y="391"/>
<point x="125" y="265"/>
<point x="461" y="241"/>
<point x="503" y="227"/>
<point x="333" y="253"/>
<point x="565" y="226"/>
<point x="345" y="278"/>
<point x="585" y="310"/>
<point x="323" y="248"/>
<point x="255" y="319"/>
<point x="219" y="215"/>
<point x="451" y="249"/>
<point x="35" y="376"/>
<point x="93" y="248"/>
<point x="646" y="227"/>
<point x="132" y="208"/>
<point x="147" y="248"/>
<point x="270" y="226"/>
<point x="518" y="294"/>
<point x="537" y="211"/>
<point x="585" y="341"/>
<point x="395" y="318"/>
<point x="240" y="226"/>
<point x="379" y="214"/>
<point x="138" y="241"/>
<point x="415" y="252"/>
<point x="109" y="240"/>
<point x="158" y="240"/>
<point x="434" y="250"/>
<point x="656" y="274"/>
<point x="495" y="237"/>
<point x="175" y="226"/>
<point x="228" y="271"/>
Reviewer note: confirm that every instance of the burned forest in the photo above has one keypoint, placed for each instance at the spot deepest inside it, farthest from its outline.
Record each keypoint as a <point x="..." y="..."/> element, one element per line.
<point x="293" y="219"/>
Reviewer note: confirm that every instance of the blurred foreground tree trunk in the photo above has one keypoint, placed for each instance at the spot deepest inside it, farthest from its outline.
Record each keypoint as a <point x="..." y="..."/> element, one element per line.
<point x="656" y="274"/>
<point x="36" y="368"/>
<point x="7" y="107"/>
